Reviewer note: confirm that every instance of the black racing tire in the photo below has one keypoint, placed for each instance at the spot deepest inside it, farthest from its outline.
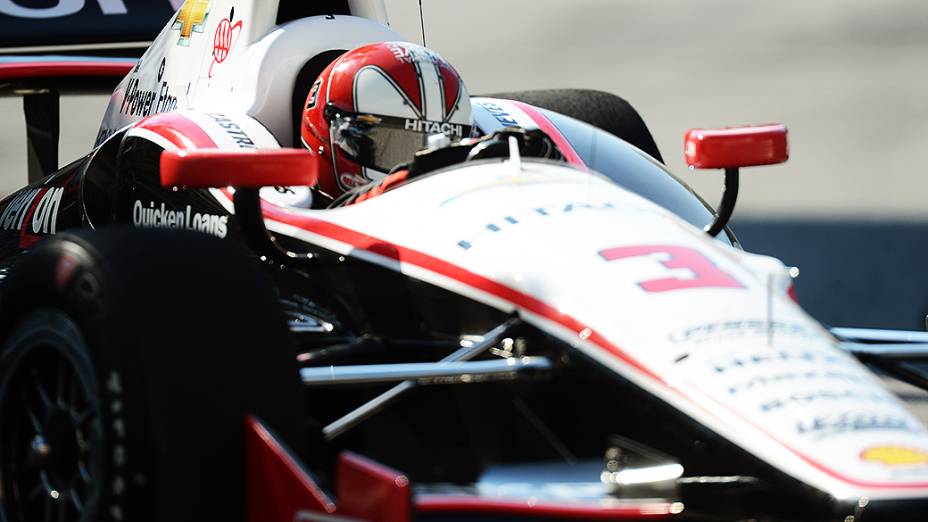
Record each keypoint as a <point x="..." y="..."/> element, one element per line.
<point x="600" y="109"/>
<point x="139" y="353"/>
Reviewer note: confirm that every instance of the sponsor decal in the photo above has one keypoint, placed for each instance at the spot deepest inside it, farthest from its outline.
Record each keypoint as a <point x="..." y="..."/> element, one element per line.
<point x="895" y="456"/>
<point x="825" y="396"/>
<point x="433" y="127"/>
<point x="15" y="213"/>
<point x="499" y="114"/>
<point x="782" y="378"/>
<point x="34" y="212"/>
<point x="313" y="94"/>
<point x="139" y="102"/>
<point x="61" y="8"/>
<point x="191" y="19"/>
<point x="531" y="214"/>
<point x="738" y="329"/>
<point x="775" y="356"/>
<point x="224" y="39"/>
<point x="234" y="131"/>
<point x="836" y="424"/>
<point x="187" y="219"/>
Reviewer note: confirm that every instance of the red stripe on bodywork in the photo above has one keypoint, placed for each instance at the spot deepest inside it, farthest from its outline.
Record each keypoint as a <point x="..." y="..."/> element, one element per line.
<point x="484" y="506"/>
<point x="533" y="305"/>
<point x="451" y="271"/>
<point x="548" y="128"/>
<point x="181" y="131"/>
<point x="18" y="70"/>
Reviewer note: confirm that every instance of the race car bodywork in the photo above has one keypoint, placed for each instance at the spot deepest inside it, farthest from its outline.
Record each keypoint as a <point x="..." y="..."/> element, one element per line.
<point x="567" y="340"/>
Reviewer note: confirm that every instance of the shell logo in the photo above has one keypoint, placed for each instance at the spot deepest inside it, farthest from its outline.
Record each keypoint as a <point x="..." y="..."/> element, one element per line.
<point x="895" y="456"/>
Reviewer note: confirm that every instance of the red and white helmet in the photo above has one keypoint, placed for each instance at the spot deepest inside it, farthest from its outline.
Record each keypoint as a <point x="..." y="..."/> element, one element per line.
<point x="374" y="107"/>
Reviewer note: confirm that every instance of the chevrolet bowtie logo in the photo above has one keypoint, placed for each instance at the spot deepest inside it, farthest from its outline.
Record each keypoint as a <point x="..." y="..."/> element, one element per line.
<point x="191" y="19"/>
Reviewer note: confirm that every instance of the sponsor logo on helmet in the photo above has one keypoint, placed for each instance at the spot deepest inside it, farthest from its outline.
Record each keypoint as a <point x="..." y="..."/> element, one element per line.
<point x="406" y="53"/>
<point x="313" y="94"/>
<point x="433" y="127"/>
<point x="895" y="456"/>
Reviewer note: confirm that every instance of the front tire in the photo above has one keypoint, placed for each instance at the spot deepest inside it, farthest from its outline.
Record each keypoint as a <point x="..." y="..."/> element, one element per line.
<point x="166" y="341"/>
<point x="600" y="109"/>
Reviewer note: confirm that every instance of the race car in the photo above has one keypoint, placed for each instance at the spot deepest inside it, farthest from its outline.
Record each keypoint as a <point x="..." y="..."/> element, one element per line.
<point x="502" y="337"/>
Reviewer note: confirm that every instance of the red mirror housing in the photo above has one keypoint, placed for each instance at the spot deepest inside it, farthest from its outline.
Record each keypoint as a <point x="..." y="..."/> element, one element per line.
<point x="214" y="168"/>
<point x="735" y="147"/>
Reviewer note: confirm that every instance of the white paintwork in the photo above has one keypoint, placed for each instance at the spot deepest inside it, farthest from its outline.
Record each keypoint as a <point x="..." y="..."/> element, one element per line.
<point x="554" y="258"/>
<point x="257" y="78"/>
<point x="379" y="92"/>
<point x="371" y="9"/>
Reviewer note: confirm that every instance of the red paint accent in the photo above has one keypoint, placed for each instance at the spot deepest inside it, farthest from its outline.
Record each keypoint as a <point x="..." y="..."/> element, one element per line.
<point x="27" y="240"/>
<point x="485" y="506"/>
<point x="225" y="37"/>
<point x="181" y="131"/>
<point x="370" y="491"/>
<point x="277" y="488"/>
<point x="548" y="128"/>
<point x="528" y="303"/>
<point x="68" y="69"/>
<point x="205" y="168"/>
<point x="705" y="273"/>
<point x="791" y="292"/>
<point x="451" y="84"/>
<point x="736" y="146"/>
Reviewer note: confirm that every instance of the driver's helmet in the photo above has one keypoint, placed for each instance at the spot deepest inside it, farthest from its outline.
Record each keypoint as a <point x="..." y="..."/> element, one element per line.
<point x="374" y="107"/>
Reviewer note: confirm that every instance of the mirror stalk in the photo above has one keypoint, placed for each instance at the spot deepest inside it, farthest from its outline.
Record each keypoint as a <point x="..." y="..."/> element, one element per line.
<point x="727" y="206"/>
<point x="248" y="211"/>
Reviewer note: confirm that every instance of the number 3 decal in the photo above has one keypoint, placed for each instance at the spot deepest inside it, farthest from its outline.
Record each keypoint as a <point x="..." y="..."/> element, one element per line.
<point x="705" y="273"/>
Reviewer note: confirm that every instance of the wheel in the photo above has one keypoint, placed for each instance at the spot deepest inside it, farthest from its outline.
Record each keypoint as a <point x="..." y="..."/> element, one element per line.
<point x="600" y="109"/>
<point x="129" y="362"/>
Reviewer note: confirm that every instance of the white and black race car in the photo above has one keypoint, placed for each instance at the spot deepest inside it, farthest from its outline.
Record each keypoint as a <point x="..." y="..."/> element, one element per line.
<point x="505" y="336"/>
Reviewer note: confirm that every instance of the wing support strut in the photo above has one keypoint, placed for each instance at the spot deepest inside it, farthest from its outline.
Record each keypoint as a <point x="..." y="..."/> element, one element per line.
<point x="42" y="109"/>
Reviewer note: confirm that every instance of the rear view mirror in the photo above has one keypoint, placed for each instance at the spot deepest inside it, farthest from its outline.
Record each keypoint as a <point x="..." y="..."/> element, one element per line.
<point x="730" y="149"/>
<point x="214" y="168"/>
<point x="735" y="147"/>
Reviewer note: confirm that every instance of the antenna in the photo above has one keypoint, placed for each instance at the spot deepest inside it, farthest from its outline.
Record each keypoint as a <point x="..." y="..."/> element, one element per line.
<point x="515" y="158"/>
<point x="422" y="23"/>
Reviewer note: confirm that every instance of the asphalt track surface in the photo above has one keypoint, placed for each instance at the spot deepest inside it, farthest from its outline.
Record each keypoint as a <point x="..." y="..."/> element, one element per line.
<point x="849" y="78"/>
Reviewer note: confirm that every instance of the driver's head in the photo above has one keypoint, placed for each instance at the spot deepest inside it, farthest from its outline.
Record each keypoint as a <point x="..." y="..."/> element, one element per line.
<point x="374" y="107"/>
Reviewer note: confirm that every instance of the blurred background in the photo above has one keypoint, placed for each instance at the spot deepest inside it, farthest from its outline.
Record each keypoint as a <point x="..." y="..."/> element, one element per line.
<point x="848" y="77"/>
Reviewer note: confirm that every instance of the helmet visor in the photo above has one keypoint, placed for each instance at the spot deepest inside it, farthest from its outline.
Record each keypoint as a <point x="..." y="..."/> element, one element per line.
<point x="383" y="142"/>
